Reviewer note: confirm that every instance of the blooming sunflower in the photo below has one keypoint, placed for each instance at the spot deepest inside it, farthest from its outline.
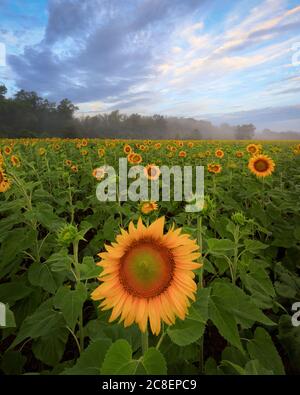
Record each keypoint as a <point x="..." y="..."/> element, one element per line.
<point x="239" y="154"/>
<point x="127" y="149"/>
<point x="182" y="154"/>
<point x="134" y="159"/>
<point x="261" y="165"/>
<point x="98" y="173"/>
<point x="219" y="153"/>
<point x="42" y="151"/>
<point x="15" y="161"/>
<point x="68" y="162"/>
<point x="7" y="150"/>
<point x="148" y="275"/>
<point x="74" y="168"/>
<point x="101" y="152"/>
<point x="4" y="182"/>
<point x="253" y="148"/>
<point x="152" y="172"/>
<point x="157" y="145"/>
<point x="148" y="207"/>
<point x="214" y="168"/>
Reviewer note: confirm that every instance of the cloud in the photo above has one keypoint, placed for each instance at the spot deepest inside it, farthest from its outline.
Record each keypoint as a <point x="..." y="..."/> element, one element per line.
<point x="94" y="50"/>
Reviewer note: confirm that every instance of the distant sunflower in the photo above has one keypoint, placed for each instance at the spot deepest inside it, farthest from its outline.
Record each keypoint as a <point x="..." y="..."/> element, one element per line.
<point x="148" y="207"/>
<point x="261" y="165"/>
<point x="7" y="150"/>
<point x="74" y="168"/>
<point x="127" y="149"/>
<point x="239" y="154"/>
<point x="182" y="154"/>
<point x="68" y="162"/>
<point x="253" y="149"/>
<point x="152" y="172"/>
<point x="99" y="173"/>
<point x="4" y="182"/>
<point x="134" y="158"/>
<point x="190" y="144"/>
<point x="219" y="153"/>
<point x="15" y="161"/>
<point x="84" y="143"/>
<point x="157" y="145"/>
<point x="214" y="168"/>
<point x="101" y="152"/>
<point x="148" y="275"/>
<point x="42" y="151"/>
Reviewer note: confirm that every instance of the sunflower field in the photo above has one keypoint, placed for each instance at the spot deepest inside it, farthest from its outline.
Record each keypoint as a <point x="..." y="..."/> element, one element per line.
<point x="96" y="288"/>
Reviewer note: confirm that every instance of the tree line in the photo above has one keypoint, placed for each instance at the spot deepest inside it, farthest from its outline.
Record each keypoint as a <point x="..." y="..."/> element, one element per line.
<point x="26" y="114"/>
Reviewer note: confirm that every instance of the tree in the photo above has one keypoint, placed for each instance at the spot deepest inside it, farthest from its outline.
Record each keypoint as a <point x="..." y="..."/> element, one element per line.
<point x="245" y="132"/>
<point x="3" y="91"/>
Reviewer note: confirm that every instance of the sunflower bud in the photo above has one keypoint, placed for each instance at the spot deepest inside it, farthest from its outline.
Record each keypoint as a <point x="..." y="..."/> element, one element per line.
<point x="238" y="218"/>
<point x="66" y="235"/>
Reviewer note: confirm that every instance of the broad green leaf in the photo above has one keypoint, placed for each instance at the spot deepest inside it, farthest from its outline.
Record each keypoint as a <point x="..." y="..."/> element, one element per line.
<point x="12" y="362"/>
<point x="89" y="269"/>
<point x="41" y="323"/>
<point x="118" y="359"/>
<point x="254" y="367"/>
<point x="49" y="349"/>
<point x="90" y="361"/>
<point x="254" y="245"/>
<point x="70" y="303"/>
<point x="13" y="291"/>
<point x="220" y="246"/>
<point x="192" y="328"/>
<point x="154" y="362"/>
<point x="262" y="348"/>
<point x="40" y="275"/>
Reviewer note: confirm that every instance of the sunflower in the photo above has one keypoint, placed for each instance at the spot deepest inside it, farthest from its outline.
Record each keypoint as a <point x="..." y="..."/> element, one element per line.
<point x="148" y="207"/>
<point x="190" y="144"/>
<point x="127" y="149"/>
<point x="98" y="173"/>
<point x="84" y="143"/>
<point x="261" y="165"/>
<point x="84" y="152"/>
<point x="239" y="154"/>
<point x="68" y="162"/>
<point x="7" y="150"/>
<point x="4" y="182"/>
<point x="148" y="275"/>
<point x="157" y="145"/>
<point x="42" y="151"/>
<point x="74" y="169"/>
<point x="15" y="161"/>
<point x="253" y="149"/>
<point x="152" y="172"/>
<point x="219" y="153"/>
<point x="182" y="154"/>
<point x="134" y="159"/>
<point x="214" y="168"/>
<point x="142" y="147"/>
<point x="101" y="152"/>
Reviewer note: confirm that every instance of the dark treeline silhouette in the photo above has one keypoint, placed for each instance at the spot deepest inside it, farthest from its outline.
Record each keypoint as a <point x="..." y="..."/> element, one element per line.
<point x="28" y="115"/>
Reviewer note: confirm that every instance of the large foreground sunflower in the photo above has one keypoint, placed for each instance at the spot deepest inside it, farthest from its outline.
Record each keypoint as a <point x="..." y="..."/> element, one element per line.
<point x="148" y="275"/>
<point x="261" y="165"/>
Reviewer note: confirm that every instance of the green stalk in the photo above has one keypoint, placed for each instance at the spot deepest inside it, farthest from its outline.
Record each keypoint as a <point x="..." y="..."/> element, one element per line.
<point x="145" y="342"/>
<point x="200" y="285"/>
<point x="77" y="271"/>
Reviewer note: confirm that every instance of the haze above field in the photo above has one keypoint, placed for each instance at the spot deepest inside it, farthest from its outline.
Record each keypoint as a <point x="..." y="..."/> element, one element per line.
<point x="234" y="62"/>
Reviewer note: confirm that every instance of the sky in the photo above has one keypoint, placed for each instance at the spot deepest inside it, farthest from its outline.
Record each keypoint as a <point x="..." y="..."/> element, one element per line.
<point x="221" y="60"/>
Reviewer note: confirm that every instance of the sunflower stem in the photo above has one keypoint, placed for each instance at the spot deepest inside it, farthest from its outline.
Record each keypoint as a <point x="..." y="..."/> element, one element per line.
<point x="145" y="342"/>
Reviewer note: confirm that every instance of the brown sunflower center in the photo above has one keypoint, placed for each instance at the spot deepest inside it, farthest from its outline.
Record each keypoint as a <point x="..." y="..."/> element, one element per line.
<point x="261" y="165"/>
<point x="146" y="269"/>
